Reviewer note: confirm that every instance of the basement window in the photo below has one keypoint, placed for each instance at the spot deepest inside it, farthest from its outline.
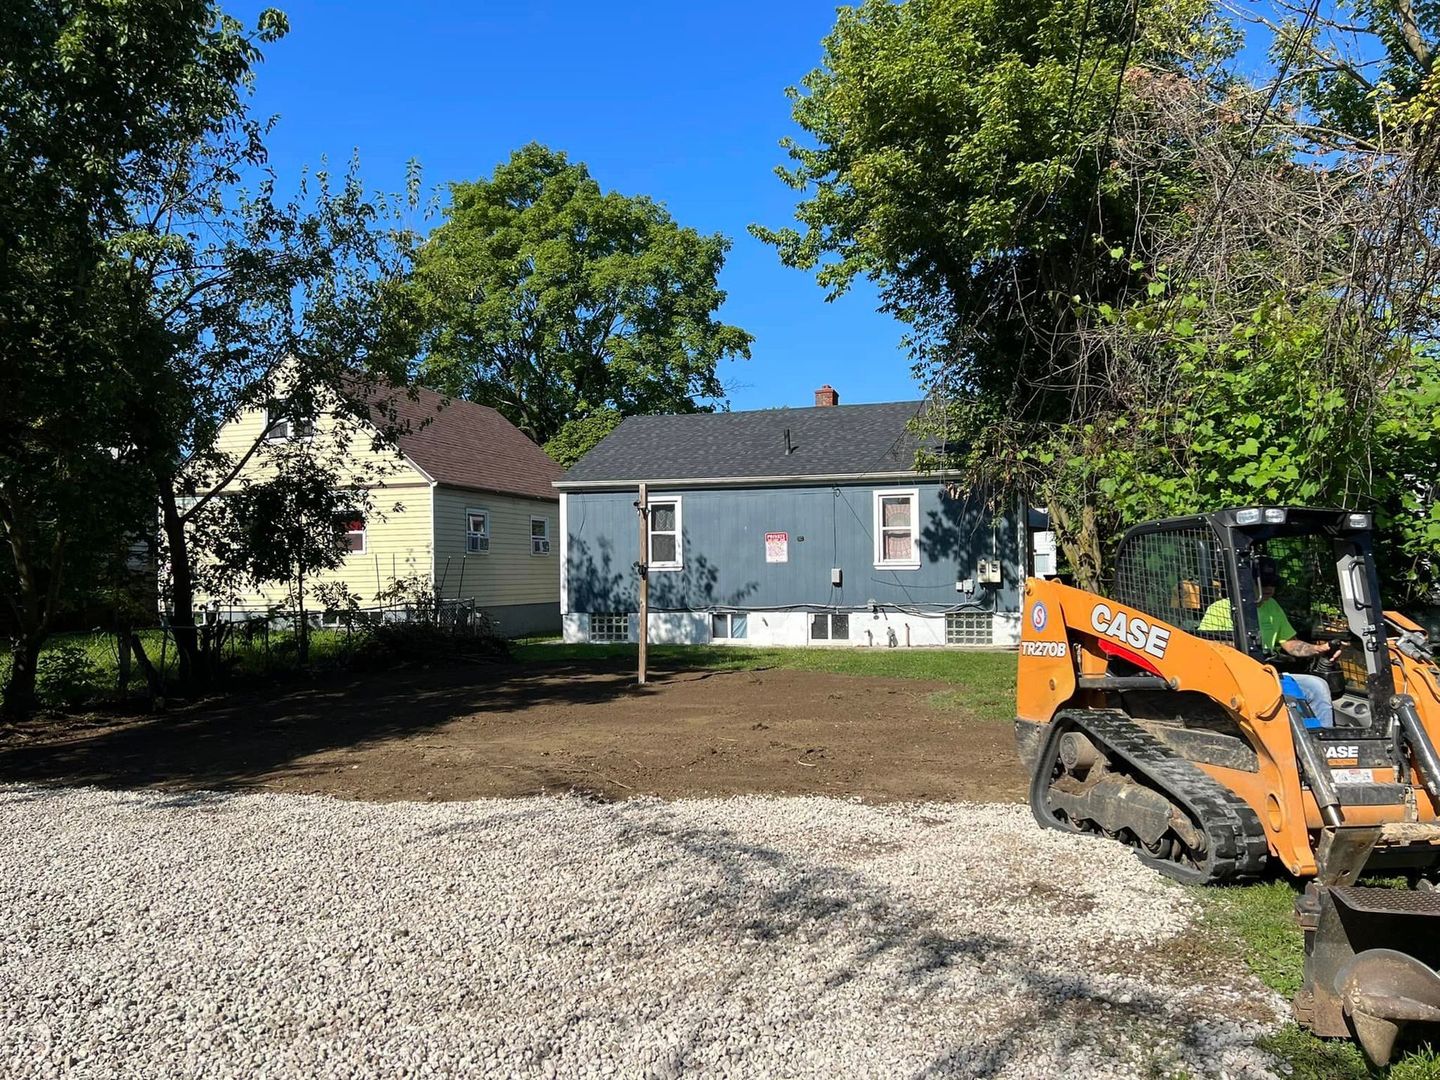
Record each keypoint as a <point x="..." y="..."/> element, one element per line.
<point x="610" y="626"/>
<point x="969" y="628"/>
<point x="729" y="626"/>
<point x="830" y="626"/>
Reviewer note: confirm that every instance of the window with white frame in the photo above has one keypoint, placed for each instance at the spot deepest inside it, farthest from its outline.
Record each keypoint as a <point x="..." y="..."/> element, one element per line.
<point x="352" y="534"/>
<point x="729" y="626"/>
<point x="830" y="626"/>
<point x="897" y="529"/>
<point x="610" y="626"/>
<point x="281" y="423"/>
<point x="477" y="532"/>
<point x="539" y="536"/>
<point x="665" y="534"/>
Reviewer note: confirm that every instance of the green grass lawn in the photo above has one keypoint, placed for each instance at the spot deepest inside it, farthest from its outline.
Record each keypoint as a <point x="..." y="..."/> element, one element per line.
<point x="82" y="668"/>
<point x="984" y="681"/>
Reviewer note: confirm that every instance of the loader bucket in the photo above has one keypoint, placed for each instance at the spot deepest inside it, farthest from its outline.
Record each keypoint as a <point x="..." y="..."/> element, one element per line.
<point x="1370" y="965"/>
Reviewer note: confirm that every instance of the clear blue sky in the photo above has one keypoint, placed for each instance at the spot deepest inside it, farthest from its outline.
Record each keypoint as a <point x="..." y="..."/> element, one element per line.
<point x="682" y="102"/>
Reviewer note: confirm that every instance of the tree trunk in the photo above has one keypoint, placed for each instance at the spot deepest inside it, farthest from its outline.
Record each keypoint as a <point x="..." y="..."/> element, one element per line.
<point x="182" y="589"/>
<point x="302" y="628"/>
<point x="32" y="606"/>
<point x="19" y="697"/>
<point x="1079" y="544"/>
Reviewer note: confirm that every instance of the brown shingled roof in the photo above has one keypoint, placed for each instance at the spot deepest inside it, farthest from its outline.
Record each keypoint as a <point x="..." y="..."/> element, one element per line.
<point x="472" y="446"/>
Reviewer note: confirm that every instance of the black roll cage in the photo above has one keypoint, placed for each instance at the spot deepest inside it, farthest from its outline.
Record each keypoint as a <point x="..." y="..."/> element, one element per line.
<point x="1354" y="564"/>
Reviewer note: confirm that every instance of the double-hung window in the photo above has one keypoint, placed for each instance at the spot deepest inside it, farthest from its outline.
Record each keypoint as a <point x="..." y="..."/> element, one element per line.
<point x="281" y="423"/>
<point x="897" y="529"/>
<point x="352" y="534"/>
<point x="477" y="532"/>
<point x="665" y="535"/>
<point x="539" y="536"/>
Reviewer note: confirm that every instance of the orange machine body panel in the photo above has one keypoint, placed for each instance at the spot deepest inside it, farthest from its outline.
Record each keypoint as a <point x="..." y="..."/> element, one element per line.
<point x="1068" y="635"/>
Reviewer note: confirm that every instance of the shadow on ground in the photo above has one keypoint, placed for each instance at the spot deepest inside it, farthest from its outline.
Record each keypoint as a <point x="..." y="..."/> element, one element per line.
<point x="507" y="729"/>
<point x="254" y="734"/>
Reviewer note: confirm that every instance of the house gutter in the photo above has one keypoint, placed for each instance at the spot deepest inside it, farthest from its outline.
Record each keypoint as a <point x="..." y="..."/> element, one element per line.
<point x="740" y="481"/>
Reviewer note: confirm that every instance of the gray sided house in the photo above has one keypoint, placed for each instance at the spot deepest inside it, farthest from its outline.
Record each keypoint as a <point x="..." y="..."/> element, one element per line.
<point x="784" y="527"/>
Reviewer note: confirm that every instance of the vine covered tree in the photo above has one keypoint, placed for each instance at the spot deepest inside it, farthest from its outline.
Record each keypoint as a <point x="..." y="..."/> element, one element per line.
<point x="1136" y="284"/>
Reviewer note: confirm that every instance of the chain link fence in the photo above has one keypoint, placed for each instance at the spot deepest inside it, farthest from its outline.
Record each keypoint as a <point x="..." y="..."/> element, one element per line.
<point x="144" y="664"/>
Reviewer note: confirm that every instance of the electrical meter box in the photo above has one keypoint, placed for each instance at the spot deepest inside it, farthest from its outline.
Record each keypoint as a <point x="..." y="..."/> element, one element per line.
<point x="988" y="572"/>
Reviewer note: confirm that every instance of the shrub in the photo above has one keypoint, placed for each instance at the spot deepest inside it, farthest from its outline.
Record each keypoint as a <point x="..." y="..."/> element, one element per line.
<point x="402" y="642"/>
<point x="67" y="677"/>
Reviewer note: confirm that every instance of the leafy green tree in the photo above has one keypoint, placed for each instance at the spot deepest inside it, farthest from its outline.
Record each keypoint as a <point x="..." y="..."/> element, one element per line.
<point x="1256" y="414"/>
<point x="92" y="94"/>
<point x="548" y="299"/>
<point x="278" y="300"/>
<point x="1366" y="68"/>
<point x="1137" y="285"/>
<point x="155" y="286"/>
<point x="957" y="155"/>
<point x="578" y="437"/>
<point x="286" y="528"/>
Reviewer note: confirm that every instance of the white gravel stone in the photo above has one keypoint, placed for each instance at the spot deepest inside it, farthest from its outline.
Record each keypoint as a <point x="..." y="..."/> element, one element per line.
<point x="278" y="936"/>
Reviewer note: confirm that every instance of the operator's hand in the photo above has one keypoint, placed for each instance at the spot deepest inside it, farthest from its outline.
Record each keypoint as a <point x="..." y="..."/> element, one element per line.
<point x="1305" y="650"/>
<point x="1328" y="649"/>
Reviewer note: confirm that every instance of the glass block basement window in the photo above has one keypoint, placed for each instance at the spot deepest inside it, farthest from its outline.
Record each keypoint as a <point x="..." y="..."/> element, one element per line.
<point x="969" y="628"/>
<point x="610" y="627"/>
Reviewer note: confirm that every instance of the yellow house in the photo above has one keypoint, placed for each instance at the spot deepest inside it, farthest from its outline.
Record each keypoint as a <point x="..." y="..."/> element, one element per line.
<point x="464" y="503"/>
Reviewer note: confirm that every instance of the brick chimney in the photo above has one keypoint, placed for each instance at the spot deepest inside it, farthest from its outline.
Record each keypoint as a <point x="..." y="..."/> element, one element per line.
<point x="826" y="397"/>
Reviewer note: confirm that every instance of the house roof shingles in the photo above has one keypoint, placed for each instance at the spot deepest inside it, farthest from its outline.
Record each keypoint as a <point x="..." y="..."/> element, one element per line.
<point x="831" y="441"/>
<point x="470" y="446"/>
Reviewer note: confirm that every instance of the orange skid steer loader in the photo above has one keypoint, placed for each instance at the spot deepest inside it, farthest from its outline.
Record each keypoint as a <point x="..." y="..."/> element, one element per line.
<point x="1166" y="716"/>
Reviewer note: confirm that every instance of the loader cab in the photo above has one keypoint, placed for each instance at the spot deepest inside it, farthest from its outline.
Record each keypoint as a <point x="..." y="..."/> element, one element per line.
<point x="1201" y="573"/>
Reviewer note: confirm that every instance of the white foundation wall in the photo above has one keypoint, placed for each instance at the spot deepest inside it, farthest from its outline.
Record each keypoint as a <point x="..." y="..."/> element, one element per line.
<point x="792" y="628"/>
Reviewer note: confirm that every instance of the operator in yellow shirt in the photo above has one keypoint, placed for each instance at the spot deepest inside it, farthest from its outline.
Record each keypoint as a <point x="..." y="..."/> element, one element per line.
<point x="1277" y="635"/>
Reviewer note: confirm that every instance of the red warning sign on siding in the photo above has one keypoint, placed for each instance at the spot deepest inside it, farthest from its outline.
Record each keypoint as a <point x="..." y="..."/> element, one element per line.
<point x="777" y="547"/>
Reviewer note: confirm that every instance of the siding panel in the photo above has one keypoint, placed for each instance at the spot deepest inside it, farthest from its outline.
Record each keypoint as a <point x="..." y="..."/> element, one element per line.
<point x="398" y="528"/>
<point x="508" y="573"/>
<point x="829" y="527"/>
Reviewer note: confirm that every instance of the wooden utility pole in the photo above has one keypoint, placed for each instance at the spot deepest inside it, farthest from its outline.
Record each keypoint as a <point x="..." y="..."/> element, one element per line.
<point x="643" y="506"/>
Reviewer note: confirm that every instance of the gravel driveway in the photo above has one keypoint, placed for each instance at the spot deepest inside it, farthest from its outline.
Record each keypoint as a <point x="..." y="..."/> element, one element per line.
<point x="276" y="935"/>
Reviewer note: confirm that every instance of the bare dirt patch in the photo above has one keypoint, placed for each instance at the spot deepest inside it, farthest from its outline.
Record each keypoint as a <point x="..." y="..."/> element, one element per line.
<point x="506" y="730"/>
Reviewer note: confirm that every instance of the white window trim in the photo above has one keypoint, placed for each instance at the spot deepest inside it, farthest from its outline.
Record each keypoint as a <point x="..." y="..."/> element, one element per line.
<point x="881" y="563"/>
<point x="272" y="426"/>
<point x="364" y="531"/>
<point x="829" y="627"/>
<point x="485" y="533"/>
<point x="679" y="562"/>
<point x="289" y="422"/>
<point x="729" y="617"/>
<point x="548" y="546"/>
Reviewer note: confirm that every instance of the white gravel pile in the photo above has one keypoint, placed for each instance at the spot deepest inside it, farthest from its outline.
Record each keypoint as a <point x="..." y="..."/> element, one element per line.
<point x="267" y="935"/>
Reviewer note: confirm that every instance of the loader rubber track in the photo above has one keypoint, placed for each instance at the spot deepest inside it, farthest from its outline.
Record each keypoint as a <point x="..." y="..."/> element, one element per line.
<point x="1235" y="839"/>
